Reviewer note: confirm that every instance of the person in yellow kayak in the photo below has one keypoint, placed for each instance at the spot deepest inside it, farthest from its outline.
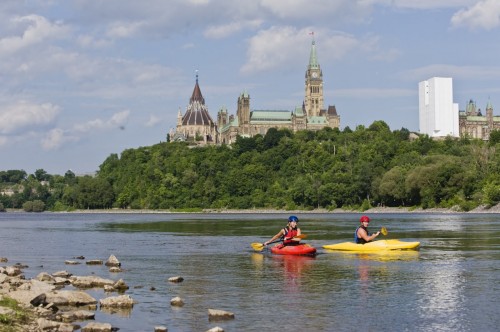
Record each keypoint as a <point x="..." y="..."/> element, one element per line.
<point x="361" y="235"/>
<point x="288" y="233"/>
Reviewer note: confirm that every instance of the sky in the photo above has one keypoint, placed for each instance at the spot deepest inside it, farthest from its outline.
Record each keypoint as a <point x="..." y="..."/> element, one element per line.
<point x="83" y="79"/>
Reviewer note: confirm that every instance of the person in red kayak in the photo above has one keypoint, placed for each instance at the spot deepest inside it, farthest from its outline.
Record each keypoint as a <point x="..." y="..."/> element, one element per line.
<point x="288" y="233"/>
<point x="361" y="235"/>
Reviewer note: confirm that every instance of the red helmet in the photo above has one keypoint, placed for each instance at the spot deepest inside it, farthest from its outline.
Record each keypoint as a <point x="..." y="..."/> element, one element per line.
<point x="364" y="219"/>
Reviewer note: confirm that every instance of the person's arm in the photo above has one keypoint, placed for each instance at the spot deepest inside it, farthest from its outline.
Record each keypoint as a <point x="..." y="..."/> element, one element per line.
<point x="362" y="234"/>
<point x="274" y="237"/>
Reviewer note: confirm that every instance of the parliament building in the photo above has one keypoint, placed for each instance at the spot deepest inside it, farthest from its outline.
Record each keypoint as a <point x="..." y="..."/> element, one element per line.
<point x="197" y="126"/>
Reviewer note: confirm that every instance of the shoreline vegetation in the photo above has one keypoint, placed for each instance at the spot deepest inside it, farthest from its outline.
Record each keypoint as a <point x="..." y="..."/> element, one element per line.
<point x="374" y="210"/>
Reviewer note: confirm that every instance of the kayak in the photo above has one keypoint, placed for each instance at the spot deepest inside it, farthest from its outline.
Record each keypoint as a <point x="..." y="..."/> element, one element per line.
<point x="300" y="249"/>
<point x="379" y="245"/>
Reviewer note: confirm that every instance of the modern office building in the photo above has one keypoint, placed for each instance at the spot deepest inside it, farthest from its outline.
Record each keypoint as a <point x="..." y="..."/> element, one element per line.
<point x="438" y="114"/>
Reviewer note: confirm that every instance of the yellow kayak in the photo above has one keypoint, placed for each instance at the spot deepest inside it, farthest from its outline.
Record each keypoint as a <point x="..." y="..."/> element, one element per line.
<point x="379" y="245"/>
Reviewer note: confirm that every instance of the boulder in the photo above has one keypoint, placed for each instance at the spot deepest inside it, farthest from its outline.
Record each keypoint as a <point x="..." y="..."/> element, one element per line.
<point x="113" y="261"/>
<point x="177" y="302"/>
<point x="122" y="301"/>
<point x="70" y="298"/>
<point x="176" y="279"/>
<point x="90" y="281"/>
<point x="94" y="262"/>
<point x="77" y="315"/>
<point x="161" y="329"/>
<point x="216" y="329"/>
<point x="215" y="314"/>
<point x="97" y="327"/>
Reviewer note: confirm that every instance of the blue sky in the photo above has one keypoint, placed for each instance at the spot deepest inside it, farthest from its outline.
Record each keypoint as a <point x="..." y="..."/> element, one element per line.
<point x="81" y="79"/>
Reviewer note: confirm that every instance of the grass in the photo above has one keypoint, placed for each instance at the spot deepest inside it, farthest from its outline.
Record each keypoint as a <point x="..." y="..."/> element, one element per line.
<point x="11" y="323"/>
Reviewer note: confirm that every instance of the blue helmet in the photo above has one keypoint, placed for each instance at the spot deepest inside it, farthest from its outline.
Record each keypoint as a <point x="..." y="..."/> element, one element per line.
<point x="293" y="218"/>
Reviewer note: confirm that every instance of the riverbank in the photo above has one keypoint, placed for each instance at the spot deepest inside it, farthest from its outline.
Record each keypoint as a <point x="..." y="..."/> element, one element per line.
<point x="374" y="210"/>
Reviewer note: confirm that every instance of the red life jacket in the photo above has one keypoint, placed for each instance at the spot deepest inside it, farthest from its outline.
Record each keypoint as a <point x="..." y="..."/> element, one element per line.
<point x="290" y="233"/>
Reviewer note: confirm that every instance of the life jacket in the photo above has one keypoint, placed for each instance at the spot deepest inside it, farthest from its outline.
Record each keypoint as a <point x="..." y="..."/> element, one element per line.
<point x="289" y="233"/>
<point x="358" y="239"/>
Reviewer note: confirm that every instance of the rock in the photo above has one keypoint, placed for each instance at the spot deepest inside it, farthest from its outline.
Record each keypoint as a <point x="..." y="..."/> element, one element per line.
<point x="215" y="314"/>
<point x="34" y="289"/>
<point x="122" y="301"/>
<point x="108" y="288"/>
<point x="79" y="257"/>
<point x="70" y="298"/>
<point x="161" y="329"/>
<point x="97" y="327"/>
<point x="12" y="271"/>
<point x="94" y="262"/>
<point x="7" y="311"/>
<point x="71" y="262"/>
<point x="78" y="315"/>
<point x="216" y="329"/>
<point x="48" y="325"/>
<point x="90" y="281"/>
<point x="3" y="260"/>
<point x="177" y="301"/>
<point x="176" y="279"/>
<point x="61" y="274"/>
<point x="44" y="276"/>
<point x="115" y="269"/>
<point x="121" y="285"/>
<point x="113" y="261"/>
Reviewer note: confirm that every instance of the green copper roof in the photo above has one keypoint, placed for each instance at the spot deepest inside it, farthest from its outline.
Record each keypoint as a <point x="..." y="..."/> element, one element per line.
<point x="271" y="115"/>
<point x="313" y="58"/>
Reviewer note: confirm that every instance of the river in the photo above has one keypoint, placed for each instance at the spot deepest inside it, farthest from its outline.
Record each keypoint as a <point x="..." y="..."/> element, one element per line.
<point x="451" y="284"/>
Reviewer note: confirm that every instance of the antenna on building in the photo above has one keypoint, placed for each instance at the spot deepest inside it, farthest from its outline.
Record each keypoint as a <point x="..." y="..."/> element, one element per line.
<point x="196" y="71"/>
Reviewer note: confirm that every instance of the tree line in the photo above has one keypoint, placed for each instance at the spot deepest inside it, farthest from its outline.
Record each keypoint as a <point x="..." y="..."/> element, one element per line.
<point x="350" y="169"/>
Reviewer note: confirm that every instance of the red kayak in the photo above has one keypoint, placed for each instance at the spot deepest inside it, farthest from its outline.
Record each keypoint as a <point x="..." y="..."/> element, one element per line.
<point x="300" y="249"/>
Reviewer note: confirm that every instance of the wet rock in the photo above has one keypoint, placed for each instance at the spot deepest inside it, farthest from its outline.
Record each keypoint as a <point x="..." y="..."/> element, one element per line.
<point x="113" y="261"/>
<point x="94" y="262"/>
<point x="90" y="281"/>
<point x="177" y="302"/>
<point x="45" y="277"/>
<point x="77" y="315"/>
<point x="115" y="269"/>
<point x="71" y="262"/>
<point x="61" y="274"/>
<point x="176" y="279"/>
<point x="79" y="257"/>
<point x="3" y="260"/>
<point x="97" y="327"/>
<point x="12" y="271"/>
<point x="215" y="314"/>
<point x="216" y="329"/>
<point x="122" y="301"/>
<point x="120" y="285"/>
<point x="70" y="298"/>
<point x="161" y="329"/>
<point x="48" y="325"/>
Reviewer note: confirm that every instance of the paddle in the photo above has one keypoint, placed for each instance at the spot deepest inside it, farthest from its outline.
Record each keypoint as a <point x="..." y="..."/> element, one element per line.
<point x="383" y="230"/>
<point x="260" y="246"/>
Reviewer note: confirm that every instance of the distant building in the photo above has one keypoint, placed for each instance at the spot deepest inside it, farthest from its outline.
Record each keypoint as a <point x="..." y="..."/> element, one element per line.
<point x="195" y="125"/>
<point x="438" y="115"/>
<point x="311" y="115"/>
<point x="476" y="125"/>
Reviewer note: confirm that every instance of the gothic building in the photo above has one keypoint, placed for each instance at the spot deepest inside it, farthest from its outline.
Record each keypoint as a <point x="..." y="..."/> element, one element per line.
<point x="311" y="115"/>
<point x="472" y="123"/>
<point x="196" y="125"/>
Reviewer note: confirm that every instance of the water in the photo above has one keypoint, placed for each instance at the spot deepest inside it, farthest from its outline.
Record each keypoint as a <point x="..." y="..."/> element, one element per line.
<point x="450" y="284"/>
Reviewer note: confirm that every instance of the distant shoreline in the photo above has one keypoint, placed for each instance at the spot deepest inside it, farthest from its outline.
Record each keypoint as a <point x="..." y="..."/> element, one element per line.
<point x="377" y="210"/>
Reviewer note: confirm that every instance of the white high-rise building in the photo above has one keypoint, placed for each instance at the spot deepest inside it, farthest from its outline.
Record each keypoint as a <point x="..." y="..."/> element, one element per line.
<point x="438" y="115"/>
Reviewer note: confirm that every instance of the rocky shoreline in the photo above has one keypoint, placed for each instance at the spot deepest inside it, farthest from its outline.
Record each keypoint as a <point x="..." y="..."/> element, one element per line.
<point x="379" y="210"/>
<point x="43" y="304"/>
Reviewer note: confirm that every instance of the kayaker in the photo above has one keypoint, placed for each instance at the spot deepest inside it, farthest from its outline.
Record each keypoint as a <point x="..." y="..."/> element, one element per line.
<point x="361" y="235"/>
<point x="288" y="233"/>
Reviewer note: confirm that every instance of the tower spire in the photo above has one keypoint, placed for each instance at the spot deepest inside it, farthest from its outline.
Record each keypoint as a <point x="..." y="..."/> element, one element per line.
<point x="313" y="58"/>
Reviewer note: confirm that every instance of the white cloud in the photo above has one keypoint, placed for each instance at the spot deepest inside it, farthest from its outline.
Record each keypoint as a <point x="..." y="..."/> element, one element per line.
<point x="37" y="29"/>
<point x="117" y="120"/>
<point x="26" y="116"/>
<point x="456" y="72"/>
<point x="482" y="15"/>
<point x="276" y="48"/>
<point x="222" y="31"/>
<point x="55" y="138"/>
<point x="153" y="121"/>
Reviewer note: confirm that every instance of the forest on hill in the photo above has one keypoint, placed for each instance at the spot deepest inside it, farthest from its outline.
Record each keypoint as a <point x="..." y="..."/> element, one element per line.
<point x="350" y="169"/>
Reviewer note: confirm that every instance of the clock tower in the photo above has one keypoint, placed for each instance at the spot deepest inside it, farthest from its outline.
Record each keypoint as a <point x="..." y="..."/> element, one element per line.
<point x="313" y="103"/>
